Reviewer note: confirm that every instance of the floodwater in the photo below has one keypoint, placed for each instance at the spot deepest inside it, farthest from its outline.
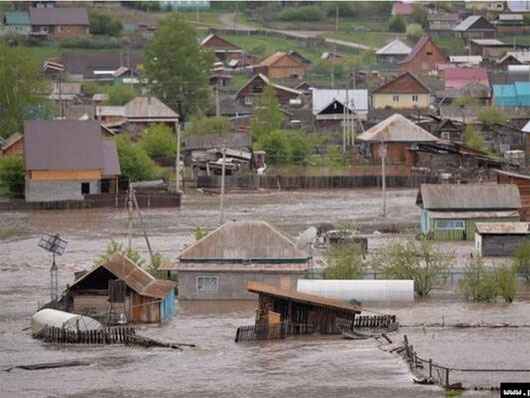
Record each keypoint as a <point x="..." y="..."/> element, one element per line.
<point x="297" y="367"/>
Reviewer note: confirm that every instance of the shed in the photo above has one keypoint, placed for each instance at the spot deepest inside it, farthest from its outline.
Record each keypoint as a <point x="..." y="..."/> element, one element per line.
<point x="450" y="212"/>
<point x="500" y="239"/>
<point x="49" y="317"/>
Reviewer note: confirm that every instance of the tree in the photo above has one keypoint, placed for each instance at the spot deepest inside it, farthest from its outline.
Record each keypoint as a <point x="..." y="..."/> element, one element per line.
<point x="266" y="115"/>
<point x="12" y="174"/>
<point x="200" y="233"/>
<point x="522" y="259"/>
<point x="299" y="147"/>
<point x="474" y="139"/>
<point x="159" y="140"/>
<point x="419" y="14"/>
<point x="120" y="94"/>
<point x="135" y="163"/>
<point x="177" y="69"/>
<point x="115" y="247"/>
<point x="466" y="100"/>
<point x="414" y="30"/>
<point x="506" y="282"/>
<point x="20" y="87"/>
<point x="397" y="24"/>
<point x="420" y="261"/>
<point x="209" y="125"/>
<point x="478" y="283"/>
<point x="103" y="24"/>
<point x="277" y="146"/>
<point x="492" y="115"/>
<point x="302" y="13"/>
<point x="344" y="262"/>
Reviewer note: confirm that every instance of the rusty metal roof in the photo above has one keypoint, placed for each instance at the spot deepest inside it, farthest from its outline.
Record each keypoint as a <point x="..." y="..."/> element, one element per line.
<point x="512" y="174"/>
<point x="504" y="228"/>
<point x="311" y="299"/>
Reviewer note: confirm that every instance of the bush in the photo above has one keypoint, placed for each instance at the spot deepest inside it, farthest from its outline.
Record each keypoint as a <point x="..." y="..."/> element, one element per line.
<point x="115" y="247"/>
<point x="397" y="24"/>
<point x="91" y="88"/>
<point x="304" y="13"/>
<point x="522" y="259"/>
<point x="492" y="115"/>
<point x="159" y="141"/>
<point x="419" y="14"/>
<point x="92" y="43"/>
<point x="346" y="9"/>
<point x="479" y="283"/>
<point x="299" y="148"/>
<point x="466" y="101"/>
<point x="103" y="24"/>
<point x="344" y="262"/>
<point x="277" y="146"/>
<point x="209" y="125"/>
<point x="474" y="139"/>
<point x="506" y="282"/>
<point x="135" y="163"/>
<point x="414" y="30"/>
<point x="120" y="94"/>
<point x="12" y="174"/>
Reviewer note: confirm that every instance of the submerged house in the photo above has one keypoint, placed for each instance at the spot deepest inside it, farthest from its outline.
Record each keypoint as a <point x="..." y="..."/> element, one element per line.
<point x="450" y="212"/>
<point x="118" y="287"/>
<point x="500" y="239"/>
<point x="219" y="266"/>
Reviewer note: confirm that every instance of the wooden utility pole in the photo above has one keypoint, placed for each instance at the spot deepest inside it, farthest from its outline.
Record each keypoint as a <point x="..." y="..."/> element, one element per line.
<point x="129" y="212"/>
<point x="345" y="136"/>
<point x="144" y="229"/>
<point x="383" y="173"/>
<point x="337" y="18"/>
<point x="177" y="159"/>
<point x="217" y="108"/>
<point x="223" y="172"/>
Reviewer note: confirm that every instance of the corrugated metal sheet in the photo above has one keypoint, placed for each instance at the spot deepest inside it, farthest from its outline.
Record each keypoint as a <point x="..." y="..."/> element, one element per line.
<point x="111" y="163"/>
<point x="469" y="197"/>
<point x="397" y="128"/>
<point x="395" y="47"/>
<point x="148" y="107"/>
<point x="58" y="16"/>
<point x="502" y="228"/>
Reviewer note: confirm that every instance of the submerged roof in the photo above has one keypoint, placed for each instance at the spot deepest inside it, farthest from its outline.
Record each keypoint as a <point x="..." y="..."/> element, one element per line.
<point x="397" y="128"/>
<point x="395" y="47"/>
<point x="470" y="197"/>
<point x="507" y="228"/>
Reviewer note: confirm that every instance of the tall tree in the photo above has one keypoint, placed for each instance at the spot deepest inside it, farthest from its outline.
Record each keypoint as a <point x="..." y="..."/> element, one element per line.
<point x="266" y="116"/>
<point x="177" y="68"/>
<point x="20" y="86"/>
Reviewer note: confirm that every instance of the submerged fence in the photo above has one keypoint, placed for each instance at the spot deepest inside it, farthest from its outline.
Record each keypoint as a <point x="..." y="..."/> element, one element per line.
<point x="108" y="335"/>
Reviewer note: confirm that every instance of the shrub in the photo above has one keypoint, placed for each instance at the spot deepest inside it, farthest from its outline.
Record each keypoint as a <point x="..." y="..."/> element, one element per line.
<point x="92" y="43"/>
<point x="135" y="163"/>
<point x="492" y="115"/>
<point x="209" y="125"/>
<point x="466" y="101"/>
<point x="277" y="146"/>
<point x="304" y="13"/>
<point x="103" y="24"/>
<point x="344" y="262"/>
<point x="479" y="283"/>
<point x="397" y="24"/>
<point x="159" y="141"/>
<point x="299" y="148"/>
<point x="346" y="9"/>
<point x="115" y="247"/>
<point x="120" y="94"/>
<point x="522" y="259"/>
<point x="419" y="14"/>
<point x="12" y="174"/>
<point x="414" y="30"/>
<point x="474" y="139"/>
<point x="506" y="282"/>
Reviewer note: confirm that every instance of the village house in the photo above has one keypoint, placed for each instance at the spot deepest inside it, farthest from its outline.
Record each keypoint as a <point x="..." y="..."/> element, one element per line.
<point x="443" y="23"/>
<point x="398" y="135"/>
<point x="522" y="181"/>
<point x="281" y="65"/>
<point x="254" y="87"/>
<point x="66" y="93"/>
<point x="461" y="77"/>
<point x="512" y="95"/>
<point x="219" y="266"/>
<point x="300" y="58"/>
<point x="224" y="50"/>
<point x="120" y="288"/>
<point x="393" y="52"/>
<point x="423" y="58"/>
<point x="67" y="159"/>
<point x="15" y="22"/>
<point x="59" y="21"/>
<point x="474" y="89"/>
<point x="449" y="212"/>
<point x="13" y="145"/>
<point x="514" y="58"/>
<point x="485" y="6"/>
<point x="467" y="61"/>
<point x="500" y="239"/>
<point x="475" y="27"/>
<point x="489" y="48"/>
<point x="329" y="107"/>
<point x="404" y="92"/>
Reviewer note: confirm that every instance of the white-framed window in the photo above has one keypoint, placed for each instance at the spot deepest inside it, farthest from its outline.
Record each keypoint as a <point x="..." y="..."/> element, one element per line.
<point x="395" y="98"/>
<point x="445" y="225"/>
<point x="248" y="100"/>
<point x="414" y="98"/>
<point x="425" y="66"/>
<point x="207" y="283"/>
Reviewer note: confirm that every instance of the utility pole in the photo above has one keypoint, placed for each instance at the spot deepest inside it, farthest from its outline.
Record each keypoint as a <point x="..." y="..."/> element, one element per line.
<point x="354" y="86"/>
<point x="144" y="229"/>
<point x="61" y="103"/>
<point x="217" y="108"/>
<point x="383" y="173"/>
<point x="337" y="18"/>
<point x="223" y="172"/>
<point x="177" y="159"/>
<point x="129" y="211"/>
<point x="347" y="121"/>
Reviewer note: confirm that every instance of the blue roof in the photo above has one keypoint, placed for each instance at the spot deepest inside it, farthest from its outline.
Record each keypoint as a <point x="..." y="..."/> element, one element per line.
<point x="522" y="88"/>
<point x="17" y="18"/>
<point x="504" y="90"/>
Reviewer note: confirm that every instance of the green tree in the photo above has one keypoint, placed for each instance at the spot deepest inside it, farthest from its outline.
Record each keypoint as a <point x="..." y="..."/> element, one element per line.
<point x="492" y="115"/>
<point x="100" y="23"/>
<point x="419" y="14"/>
<point x="120" y="94"/>
<point x="478" y="283"/>
<point x="344" y="262"/>
<point x="397" y="24"/>
<point x="209" y="125"/>
<point x="466" y="100"/>
<point x="12" y="174"/>
<point x="277" y="146"/>
<point x="135" y="163"/>
<point x="200" y="233"/>
<point x="177" y="69"/>
<point x="522" y="259"/>
<point x="474" y="139"/>
<point x="159" y="140"/>
<point x="115" y="247"/>
<point x="506" y="282"/>
<point x="266" y="115"/>
<point x="419" y="261"/>
<point x="302" y="13"/>
<point x="414" y="30"/>
<point x="21" y="84"/>
<point x="299" y="147"/>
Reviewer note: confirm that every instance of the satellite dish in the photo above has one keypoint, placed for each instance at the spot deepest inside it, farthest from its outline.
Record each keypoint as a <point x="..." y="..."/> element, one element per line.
<point x="306" y="238"/>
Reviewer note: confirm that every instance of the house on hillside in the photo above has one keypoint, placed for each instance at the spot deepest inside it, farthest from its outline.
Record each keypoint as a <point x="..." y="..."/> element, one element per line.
<point x="512" y="95"/>
<point x="224" y="50"/>
<point x="329" y="107"/>
<point x="67" y="159"/>
<point x="281" y="65"/>
<point x="475" y="27"/>
<point x="489" y="48"/>
<point x="522" y="181"/>
<point x="59" y="21"/>
<point x="514" y="58"/>
<point x="473" y="89"/>
<point x="398" y="134"/>
<point x="219" y="266"/>
<point x="66" y="93"/>
<point x="16" y="22"/>
<point x="300" y="58"/>
<point x="423" y="58"/>
<point x="466" y="61"/>
<point x="254" y="87"/>
<point x="449" y="212"/>
<point x="393" y="52"/>
<point x="119" y="289"/>
<point x="443" y="23"/>
<point x="485" y="6"/>
<point x="404" y="92"/>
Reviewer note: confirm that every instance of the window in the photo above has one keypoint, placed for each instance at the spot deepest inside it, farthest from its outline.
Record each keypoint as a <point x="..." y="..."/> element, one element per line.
<point x="292" y="72"/>
<point x="85" y="188"/>
<point x="445" y="135"/>
<point x="248" y="100"/>
<point x="425" y="66"/>
<point x="395" y="98"/>
<point x="444" y="225"/>
<point x="207" y="283"/>
<point x="429" y="53"/>
<point x="414" y="98"/>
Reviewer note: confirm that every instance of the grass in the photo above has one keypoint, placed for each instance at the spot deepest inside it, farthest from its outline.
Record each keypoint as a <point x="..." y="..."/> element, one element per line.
<point x="4" y="191"/>
<point x="41" y="53"/>
<point x="203" y="17"/>
<point x="519" y="39"/>
<point x="452" y="45"/>
<point x="328" y="24"/>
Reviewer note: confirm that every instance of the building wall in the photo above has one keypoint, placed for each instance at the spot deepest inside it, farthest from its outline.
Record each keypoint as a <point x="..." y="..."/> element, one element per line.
<point x="283" y="68"/>
<point x="523" y="185"/>
<point x="145" y="309"/>
<point x="16" y="149"/>
<point x="167" y="306"/>
<point x="500" y="245"/>
<point x="425" y="60"/>
<point x="18" y="29"/>
<point x="40" y="175"/>
<point x="232" y="285"/>
<point x="60" y="189"/>
<point x="404" y="101"/>
<point x="396" y="152"/>
<point x="69" y="30"/>
<point x="468" y="233"/>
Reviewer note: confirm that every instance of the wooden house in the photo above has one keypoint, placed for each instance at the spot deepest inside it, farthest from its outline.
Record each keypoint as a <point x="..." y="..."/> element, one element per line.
<point x="500" y="239"/>
<point x="513" y="58"/>
<point x="254" y="87"/>
<point x="300" y="57"/>
<point x="402" y="9"/>
<point x="59" y="21"/>
<point x="393" y="52"/>
<point x="224" y="50"/>
<point x="67" y="159"/>
<point x="443" y="23"/>
<point x="16" y="22"/>
<point x="219" y="266"/>
<point x="489" y="48"/>
<point x="397" y="134"/>
<point x="281" y="65"/>
<point x="423" y="58"/>
<point x="485" y="6"/>
<point x="449" y="212"/>
<point x="404" y="92"/>
<point x="332" y="108"/>
<point x="475" y="27"/>
<point x="522" y="181"/>
<point x="119" y="286"/>
<point x="13" y="145"/>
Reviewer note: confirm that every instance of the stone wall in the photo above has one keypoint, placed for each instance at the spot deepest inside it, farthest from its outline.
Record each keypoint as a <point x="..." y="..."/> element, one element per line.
<point x="53" y="190"/>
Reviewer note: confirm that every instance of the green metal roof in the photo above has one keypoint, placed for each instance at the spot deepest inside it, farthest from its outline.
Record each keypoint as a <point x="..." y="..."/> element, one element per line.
<point x="17" y="18"/>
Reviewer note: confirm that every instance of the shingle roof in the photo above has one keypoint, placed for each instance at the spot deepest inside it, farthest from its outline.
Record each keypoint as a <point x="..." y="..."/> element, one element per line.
<point x="397" y="128"/>
<point x="459" y="77"/>
<point x="395" y="47"/>
<point x="58" y="16"/>
<point x="469" y="197"/>
<point x="148" y="107"/>
<point x="17" y="18"/>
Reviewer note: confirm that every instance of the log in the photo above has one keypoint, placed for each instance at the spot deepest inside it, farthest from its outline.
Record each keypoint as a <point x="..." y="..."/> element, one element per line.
<point x="49" y="365"/>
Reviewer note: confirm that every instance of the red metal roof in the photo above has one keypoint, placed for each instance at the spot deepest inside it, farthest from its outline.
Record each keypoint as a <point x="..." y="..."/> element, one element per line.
<point x="459" y="77"/>
<point x="402" y="9"/>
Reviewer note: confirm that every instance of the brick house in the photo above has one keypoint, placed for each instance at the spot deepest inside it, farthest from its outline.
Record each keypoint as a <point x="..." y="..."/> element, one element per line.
<point x="281" y="65"/>
<point x="255" y="86"/>
<point x="423" y="58"/>
<point x="59" y="21"/>
<point x="404" y="92"/>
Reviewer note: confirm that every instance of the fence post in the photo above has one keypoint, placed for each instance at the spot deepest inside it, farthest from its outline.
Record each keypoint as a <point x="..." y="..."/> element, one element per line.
<point x="446" y="377"/>
<point x="430" y="368"/>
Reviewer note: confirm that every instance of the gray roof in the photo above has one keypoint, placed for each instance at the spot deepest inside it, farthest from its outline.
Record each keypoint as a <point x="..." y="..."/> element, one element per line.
<point x="111" y="163"/>
<point x="397" y="128"/>
<point x="357" y="99"/>
<point x="467" y="23"/>
<point x="395" y="47"/>
<point x="58" y="16"/>
<point x="210" y="141"/>
<point x="148" y="107"/>
<point x="469" y="197"/>
<point x="504" y="228"/>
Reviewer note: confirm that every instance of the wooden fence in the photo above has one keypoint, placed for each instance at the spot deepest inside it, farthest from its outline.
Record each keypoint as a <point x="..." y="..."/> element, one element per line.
<point x="108" y="335"/>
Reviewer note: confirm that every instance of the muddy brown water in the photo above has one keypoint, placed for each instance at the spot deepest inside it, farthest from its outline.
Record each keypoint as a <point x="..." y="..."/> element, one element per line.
<point x="296" y="367"/>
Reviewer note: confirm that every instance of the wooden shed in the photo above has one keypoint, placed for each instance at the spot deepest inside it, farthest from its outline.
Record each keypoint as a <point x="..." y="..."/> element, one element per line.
<point x="522" y="181"/>
<point x="500" y="239"/>
<point x="121" y="286"/>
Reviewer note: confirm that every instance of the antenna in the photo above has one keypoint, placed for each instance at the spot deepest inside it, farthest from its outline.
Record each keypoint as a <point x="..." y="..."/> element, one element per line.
<point x="56" y="245"/>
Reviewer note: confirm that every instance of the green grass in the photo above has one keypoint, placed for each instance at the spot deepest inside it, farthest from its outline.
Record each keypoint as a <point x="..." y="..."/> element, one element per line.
<point x="452" y="45"/>
<point x="203" y="17"/>
<point x="519" y="39"/>
<point x="328" y="24"/>
<point x="40" y="54"/>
